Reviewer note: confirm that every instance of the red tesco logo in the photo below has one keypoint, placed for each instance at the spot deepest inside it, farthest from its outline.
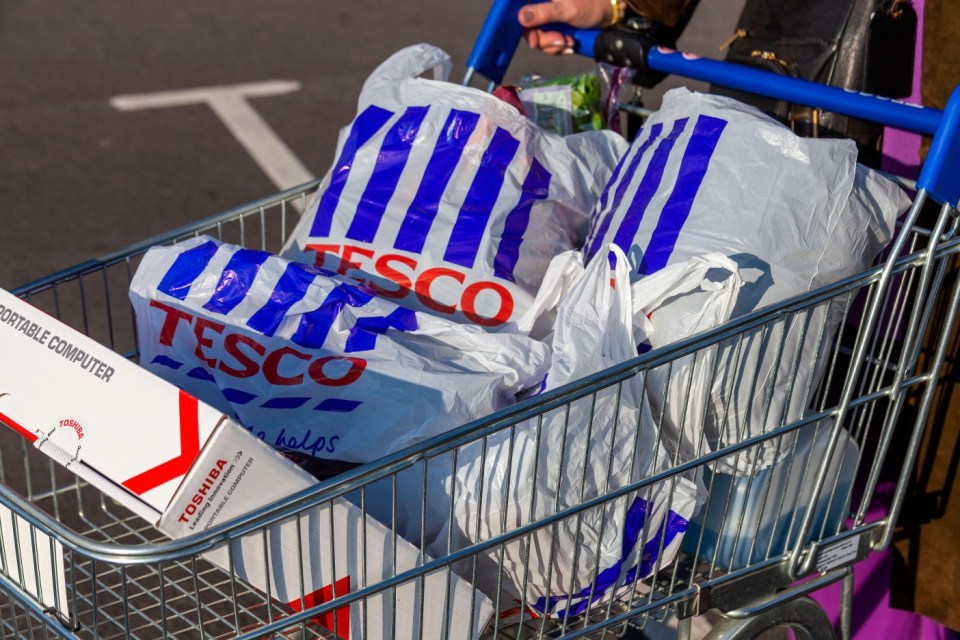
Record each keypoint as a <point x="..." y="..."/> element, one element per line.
<point x="248" y="357"/>
<point x="401" y="278"/>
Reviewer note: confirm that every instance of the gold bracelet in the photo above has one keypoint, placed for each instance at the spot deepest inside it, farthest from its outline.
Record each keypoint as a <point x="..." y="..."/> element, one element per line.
<point x="618" y="10"/>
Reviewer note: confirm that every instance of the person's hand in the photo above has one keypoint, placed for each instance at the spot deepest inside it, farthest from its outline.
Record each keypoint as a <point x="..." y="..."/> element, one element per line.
<point x="583" y="14"/>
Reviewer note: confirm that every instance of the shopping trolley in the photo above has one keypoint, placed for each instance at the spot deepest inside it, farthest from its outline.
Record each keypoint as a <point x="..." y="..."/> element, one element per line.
<point x="120" y="578"/>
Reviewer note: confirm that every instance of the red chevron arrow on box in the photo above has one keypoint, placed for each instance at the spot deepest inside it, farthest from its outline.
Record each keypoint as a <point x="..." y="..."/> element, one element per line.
<point x="189" y="449"/>
<point x="341" y="588"/>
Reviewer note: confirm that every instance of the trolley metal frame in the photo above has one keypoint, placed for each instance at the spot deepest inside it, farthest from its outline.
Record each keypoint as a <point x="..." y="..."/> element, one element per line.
<point x="125" y="580"/>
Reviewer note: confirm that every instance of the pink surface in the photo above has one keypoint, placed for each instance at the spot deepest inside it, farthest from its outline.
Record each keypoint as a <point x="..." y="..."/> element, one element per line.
<point x="873" y="617"/>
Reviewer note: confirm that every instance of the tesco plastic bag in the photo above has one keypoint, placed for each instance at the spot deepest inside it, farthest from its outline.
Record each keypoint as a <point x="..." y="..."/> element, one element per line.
<point x="315" y="364"/>
<point x="679" y="301"/>
<point x="709" y="174"/>
<point x="578" y="452"/>
<point x="447" y="199"/>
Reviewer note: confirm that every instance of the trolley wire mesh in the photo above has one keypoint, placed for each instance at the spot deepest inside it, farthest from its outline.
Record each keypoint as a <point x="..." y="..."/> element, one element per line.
<point x="184" y="595"/>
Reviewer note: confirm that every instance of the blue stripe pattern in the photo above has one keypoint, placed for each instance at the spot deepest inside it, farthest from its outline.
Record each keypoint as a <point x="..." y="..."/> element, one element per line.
<point x="649" y="185"/>
<point x="315" y="325"/>
<point x="290" y="289"/>
<point x="475" y="213"/>
<point x="338" y="405"/>
<point x="693" y="168"/>
<point x="446" y="156"/>
<point x="235" y="281"/>
<point x="201" y="374"/>
<point x="610" y="578"/>
<point x="167" y="362"/>
<point x="536" y="187"/>
<point x="601" y="231"/>
<point x="364" y="127"/>
<point x="602" y="203"/>
<point x="237" y="396"/>
<point x="392" y="159"/>
<point x="186" y="268"/>
<point x="363" y="335"/>
<point x="285" y="403"/>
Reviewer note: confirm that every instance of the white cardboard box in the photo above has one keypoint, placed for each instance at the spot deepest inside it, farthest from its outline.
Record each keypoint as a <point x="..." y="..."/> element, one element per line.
<point x="184" y="466"/>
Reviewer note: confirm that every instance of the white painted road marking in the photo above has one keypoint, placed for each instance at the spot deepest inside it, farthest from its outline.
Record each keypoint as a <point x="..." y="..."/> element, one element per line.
<point x="230" y="103"/>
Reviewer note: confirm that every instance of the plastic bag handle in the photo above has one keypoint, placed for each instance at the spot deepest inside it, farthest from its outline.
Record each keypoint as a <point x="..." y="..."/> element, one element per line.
<point x="651" y="291"/>
<point x="406" y="64"/>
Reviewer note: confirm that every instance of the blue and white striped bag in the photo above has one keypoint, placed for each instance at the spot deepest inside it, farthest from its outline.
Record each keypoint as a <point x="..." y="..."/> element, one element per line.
<point x="570" y="456"/>
<point x="710" y="174"/>
<point x="313" y="363"/>
<point x="447" y="199"/>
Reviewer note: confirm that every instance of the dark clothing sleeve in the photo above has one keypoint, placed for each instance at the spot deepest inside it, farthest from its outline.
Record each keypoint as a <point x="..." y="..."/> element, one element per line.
<point x="669" y="12"/>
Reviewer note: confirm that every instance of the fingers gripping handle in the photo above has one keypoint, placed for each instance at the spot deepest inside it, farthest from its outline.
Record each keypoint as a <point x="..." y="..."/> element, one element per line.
<point x="501" y="33"/>
<point x="493" y="52"/>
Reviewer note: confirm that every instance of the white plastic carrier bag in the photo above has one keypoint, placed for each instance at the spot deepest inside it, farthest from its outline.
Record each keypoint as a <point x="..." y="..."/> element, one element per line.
<point x="709" y="174"/>
<point x="447" y="199"/>
<point x="679" y="301"/>
<point x="313" y="363"/>
<point x="580" y="451"/>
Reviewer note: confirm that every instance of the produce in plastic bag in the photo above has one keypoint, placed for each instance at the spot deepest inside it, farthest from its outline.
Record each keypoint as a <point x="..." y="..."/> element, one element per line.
<point x="707" y="173"/>
<point x="446" y="199"/>
<point x="575" y="103"/>
<point x="564" y="104"/>
<point x="312" y="363"/>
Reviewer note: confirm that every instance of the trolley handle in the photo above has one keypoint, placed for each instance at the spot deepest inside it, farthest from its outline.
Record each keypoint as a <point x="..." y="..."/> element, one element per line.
<point x="940" y="175"/>
<point x="501" y="33"/>
<point x="497" y="41"/>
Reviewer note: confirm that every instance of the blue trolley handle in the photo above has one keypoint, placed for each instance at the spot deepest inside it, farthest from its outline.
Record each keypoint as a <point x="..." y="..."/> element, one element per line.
<point x="940" y="175"/>
<point x="501" y="33"/>
<point x="497" y="41"/>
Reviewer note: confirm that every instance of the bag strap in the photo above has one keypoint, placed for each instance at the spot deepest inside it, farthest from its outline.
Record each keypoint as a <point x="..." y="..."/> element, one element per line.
<point x="407" y="64"/>
<point x="650" y="292"/>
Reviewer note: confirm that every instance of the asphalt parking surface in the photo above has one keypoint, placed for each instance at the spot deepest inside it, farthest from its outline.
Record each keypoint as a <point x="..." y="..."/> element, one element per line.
<point x="79" y="177"/>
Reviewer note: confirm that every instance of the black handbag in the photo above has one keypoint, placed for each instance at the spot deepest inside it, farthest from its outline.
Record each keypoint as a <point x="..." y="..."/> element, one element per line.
<point x="861" y="45"/>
